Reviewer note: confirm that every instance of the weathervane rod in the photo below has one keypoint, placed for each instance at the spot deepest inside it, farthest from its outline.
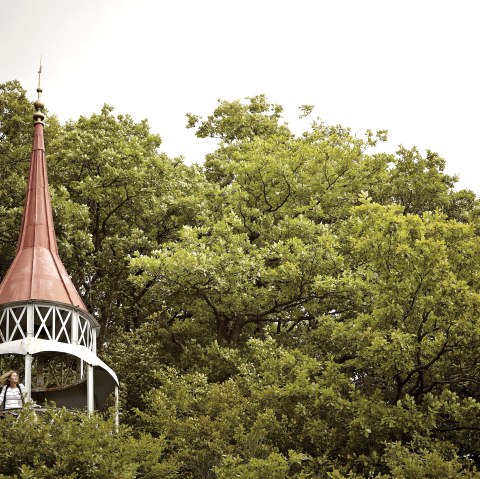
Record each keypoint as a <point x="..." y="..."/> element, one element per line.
<point x="39" y="116"/>
<point x="39" y="74"/>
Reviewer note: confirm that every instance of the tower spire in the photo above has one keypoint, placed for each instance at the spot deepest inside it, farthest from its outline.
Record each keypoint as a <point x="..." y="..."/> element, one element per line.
<point x="37" y="272"/>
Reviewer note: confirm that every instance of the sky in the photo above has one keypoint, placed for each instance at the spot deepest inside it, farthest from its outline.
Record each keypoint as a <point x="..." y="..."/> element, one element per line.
<point x="408" y="66"/>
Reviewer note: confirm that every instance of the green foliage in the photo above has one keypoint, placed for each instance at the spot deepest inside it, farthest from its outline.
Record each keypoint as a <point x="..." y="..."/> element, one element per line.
<point x="284" y="412"/>
<point x="296" y="308"/>
<point x="275" y="466"/>
<point x="114" y="194"/>
<point x="418" y="184"/>
<point x="63" y="444"/>
<point x="265" y="249"/>
<point x="234" y="121"/>
<point x="419" y="305"/>
<point x="406" y="463"/>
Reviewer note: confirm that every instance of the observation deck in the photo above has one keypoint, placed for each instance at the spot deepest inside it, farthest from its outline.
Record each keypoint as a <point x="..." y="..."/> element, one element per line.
<point x="42" y="315"/>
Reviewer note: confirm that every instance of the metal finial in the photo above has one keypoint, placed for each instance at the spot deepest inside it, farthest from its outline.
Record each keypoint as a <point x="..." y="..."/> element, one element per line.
<point x="38" y="116"/>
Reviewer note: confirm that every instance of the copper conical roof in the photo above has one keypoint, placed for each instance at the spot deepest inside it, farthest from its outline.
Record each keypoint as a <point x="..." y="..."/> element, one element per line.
<point x="37" y="273"/>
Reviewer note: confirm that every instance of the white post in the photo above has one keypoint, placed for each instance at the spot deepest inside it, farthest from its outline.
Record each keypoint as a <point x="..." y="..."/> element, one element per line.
<point x="94" y="339"/>
<point x="117" y="413"/>
<point x="28" y="376"/>
<point x="75" y="321"/>
<point x="29" y="357"/>
<point x="74" y="327"/>
<point x="90" y="385"/>
<point x="30" y="321"/>
<point x="80" y="368"/>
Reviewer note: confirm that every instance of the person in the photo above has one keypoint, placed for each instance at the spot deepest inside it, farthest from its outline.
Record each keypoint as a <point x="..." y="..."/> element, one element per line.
<point x="11" y="396"/>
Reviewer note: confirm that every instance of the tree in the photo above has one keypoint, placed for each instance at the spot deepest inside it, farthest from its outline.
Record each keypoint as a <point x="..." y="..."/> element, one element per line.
<point x="266" y="249"/>
<point x="285" y="412"/>
<point x="380" y="300"/>
<point x="298" y="307"/>
<point x="114" y="194"/>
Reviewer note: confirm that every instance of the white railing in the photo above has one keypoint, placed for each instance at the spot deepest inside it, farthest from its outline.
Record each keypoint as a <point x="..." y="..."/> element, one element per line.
<point x="48" y="321"/>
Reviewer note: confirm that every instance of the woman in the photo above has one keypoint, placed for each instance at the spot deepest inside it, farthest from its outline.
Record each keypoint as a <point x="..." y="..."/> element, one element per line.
<point x="11" y="396"/>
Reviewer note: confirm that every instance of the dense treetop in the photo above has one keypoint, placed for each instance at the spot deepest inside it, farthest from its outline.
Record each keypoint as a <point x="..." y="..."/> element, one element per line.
<point x="294" y="306"/>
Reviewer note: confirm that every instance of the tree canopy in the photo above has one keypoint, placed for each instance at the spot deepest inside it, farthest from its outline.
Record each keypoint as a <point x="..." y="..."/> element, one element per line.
<point x="295" y="306"/>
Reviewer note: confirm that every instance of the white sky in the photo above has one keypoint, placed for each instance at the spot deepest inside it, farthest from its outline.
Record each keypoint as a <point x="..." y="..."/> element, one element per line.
<point x="408" y="66"/>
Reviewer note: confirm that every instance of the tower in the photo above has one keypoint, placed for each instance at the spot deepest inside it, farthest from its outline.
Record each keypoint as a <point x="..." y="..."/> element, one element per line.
<point x="42" y="316"/>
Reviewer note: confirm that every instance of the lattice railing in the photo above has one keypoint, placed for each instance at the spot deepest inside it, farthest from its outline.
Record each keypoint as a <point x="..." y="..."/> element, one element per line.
<point x="46" y="321"/>
<point x="13" y="323"/>
<point x="85" y="333"/>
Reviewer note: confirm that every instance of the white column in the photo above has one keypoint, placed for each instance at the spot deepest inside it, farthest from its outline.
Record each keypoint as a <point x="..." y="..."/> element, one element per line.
<point x="29" y="357"/>
<point x="94" y="339"/>
<point x="74" y="327"/>
<point x="117" y="412"/>
<point x="80" y="368"/>
<point x="75" y="322"/>
<point x="30" y="321"/>
<point x="28" y="375"/>
<point x="90" y="386"/>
